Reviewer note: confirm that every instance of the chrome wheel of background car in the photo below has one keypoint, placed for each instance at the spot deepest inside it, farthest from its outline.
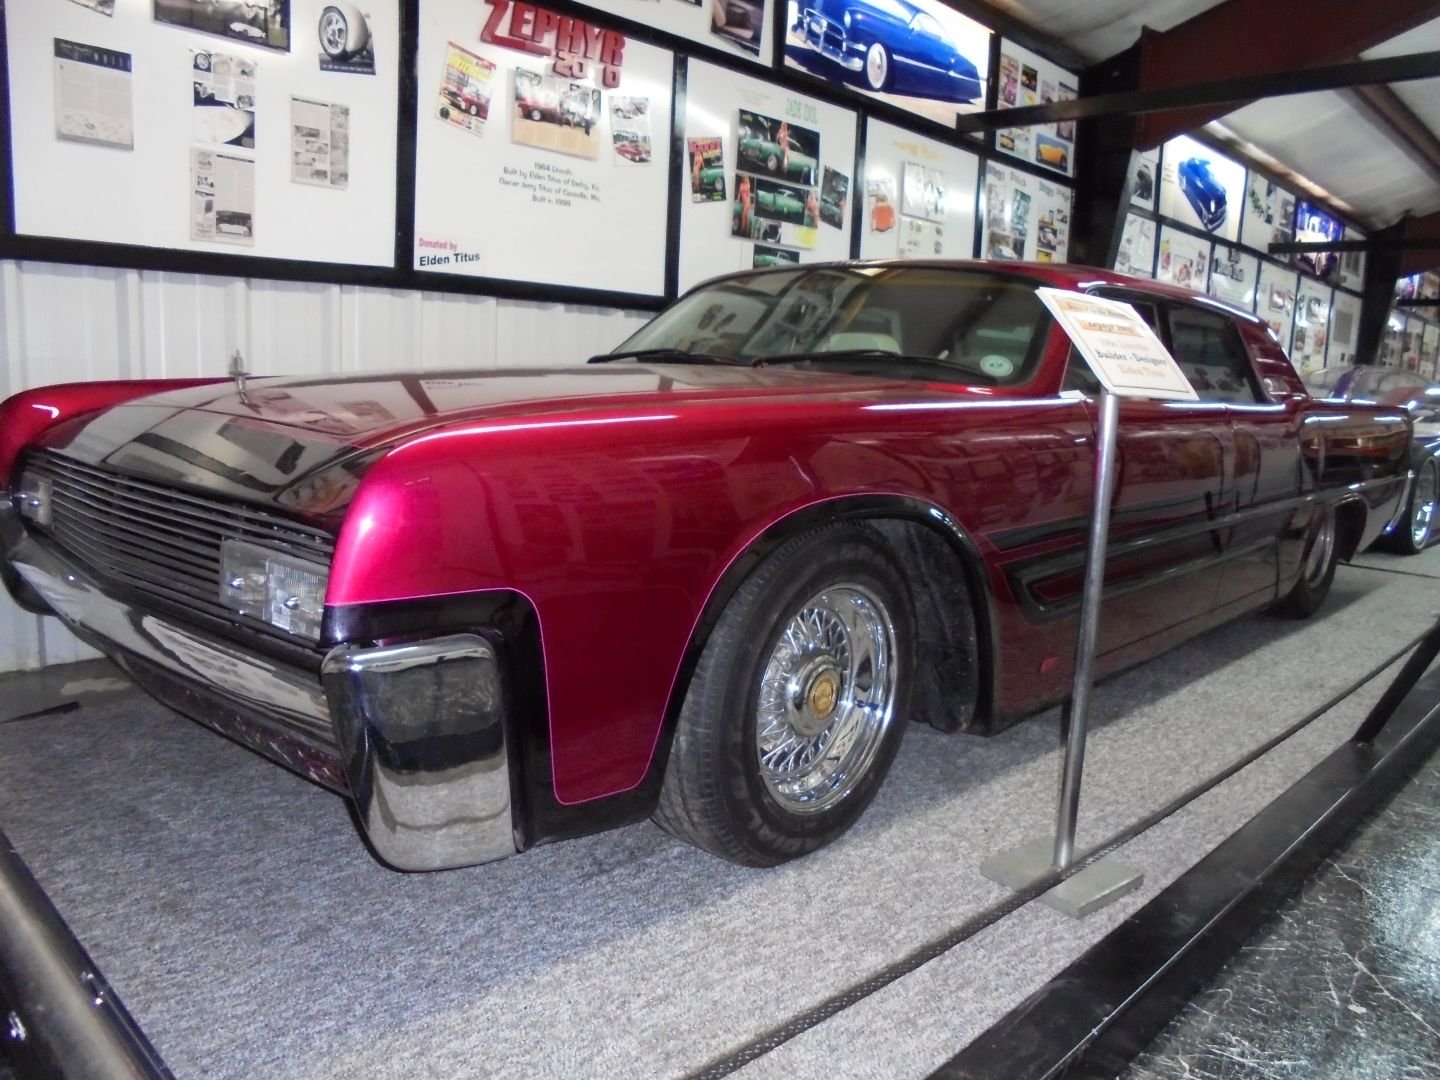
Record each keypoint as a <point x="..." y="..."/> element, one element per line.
<point x="1321" y="556"/>
<point x="877" y="67"/>
<point x="1422" y="506"/>
<point x="334" y="31"/>
<point x="826" y="698"/>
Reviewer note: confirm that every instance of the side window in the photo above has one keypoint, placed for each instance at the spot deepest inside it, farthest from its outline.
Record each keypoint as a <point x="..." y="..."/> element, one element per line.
<point x="1209" y="350"/>
<point x="1078" y="375"/>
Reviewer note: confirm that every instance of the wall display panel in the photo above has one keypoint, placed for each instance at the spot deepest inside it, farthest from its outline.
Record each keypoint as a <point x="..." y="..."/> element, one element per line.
<point x="1352" y="264"/>
<point x="1026" y="216"/>
<point x="1199" y="187"/>
<point x="1344" y="330"/>
<point x="1314" y="226"/>
<point x="1430" y="351"/>
<point x="769" y="176"/>
<point x="166" y="126"/>
<point x="1269" y="216"/>
<point x="1390" y="339"/>
<point x="533" y="163"/>
<point x="1275" y="299"/>
<point x="1145" y="179"/>
<point x="1312" y="325"/>
<point x="1026" y="78"/>
<point x="1233" y="275"/>
<point x="922" y="56"/>
<point x="919" y="196"/>
<point x="1410" y="343"/>
<point x="1429" y="287"/>
<point x="735" y="26"/>
<point x="1184" y="259"/>
<point x="1137" y="247"/>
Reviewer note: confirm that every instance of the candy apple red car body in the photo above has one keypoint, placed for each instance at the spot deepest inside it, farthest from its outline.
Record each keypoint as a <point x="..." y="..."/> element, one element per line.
<point x="604" y="516"/>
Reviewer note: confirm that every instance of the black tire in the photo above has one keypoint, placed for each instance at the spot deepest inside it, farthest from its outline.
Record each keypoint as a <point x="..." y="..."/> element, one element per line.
<point x="772" y="162"/>
<point x="1317" y="569"/>
<point x="717" y="794"/>
<point x="1416" y="527"/>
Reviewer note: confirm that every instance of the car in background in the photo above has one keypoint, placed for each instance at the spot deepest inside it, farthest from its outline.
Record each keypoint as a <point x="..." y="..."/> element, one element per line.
<point x="462" y="99"/>
<point x="1205" y="194"/>
<point x="832" y="211"/>
<point x="633" y="150"/>
<point x="1368" y="384"/>
<point x="539" y="109"/>
<point x="789" y="161"/>
<point x="780" y="202"/>
<point x="1052" y="152"/>
<point x="889" y="46"/>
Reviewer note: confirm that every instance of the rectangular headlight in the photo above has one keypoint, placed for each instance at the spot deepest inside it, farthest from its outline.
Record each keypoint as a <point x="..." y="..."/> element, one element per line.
<point x="279" y="589"/>
<point x="33" y="498"/>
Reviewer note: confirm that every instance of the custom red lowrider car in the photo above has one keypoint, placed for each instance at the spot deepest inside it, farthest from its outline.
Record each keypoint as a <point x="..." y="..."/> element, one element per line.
<point x="708" y="578"/>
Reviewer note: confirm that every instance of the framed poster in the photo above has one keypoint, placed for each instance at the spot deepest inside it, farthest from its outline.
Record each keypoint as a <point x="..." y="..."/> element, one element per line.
<point x="770" y="176"/>
<point x="1430" y="351"/>
<point x="1137" y="247"/>
<point x="739" y="27"/>
<point x="1200" y="187"/>
<point x="1026" y="216"/>
<point x="922" y="56"/>
<point x="1233" y="276"/>
<point x="1314" y="226"/>
<point x="1145" y="179"/>
<point x="1352" y="263"/>
<point x="1269" y="216"/>
<point x="1410" y="347"/>
<point x="1344" y="330"/>
<point x="177" y="132"/>
<point x="919" y="196"/>
<point x="1312" y="325"/>
<point x="1184" y="259"/>
<point x="535" y="165"/>
<point x="1027" y="78"/>
<point x="1275" y="299"/>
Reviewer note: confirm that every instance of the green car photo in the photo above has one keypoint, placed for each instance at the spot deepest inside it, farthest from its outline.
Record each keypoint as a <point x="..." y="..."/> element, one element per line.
<point x="778" y="149"/>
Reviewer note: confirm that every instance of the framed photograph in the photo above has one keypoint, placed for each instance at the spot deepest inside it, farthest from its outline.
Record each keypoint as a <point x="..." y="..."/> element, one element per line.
<point x="256" y="22"/>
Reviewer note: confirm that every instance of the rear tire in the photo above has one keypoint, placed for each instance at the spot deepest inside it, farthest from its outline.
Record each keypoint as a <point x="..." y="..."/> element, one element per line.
<point x="1416" y="527"/>
<point x="1317" y="569"/>
<point x="797" y="704"/>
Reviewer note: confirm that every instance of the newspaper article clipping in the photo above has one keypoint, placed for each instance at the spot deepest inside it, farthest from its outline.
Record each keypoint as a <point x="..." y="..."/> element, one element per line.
<point x="94" y="98"/>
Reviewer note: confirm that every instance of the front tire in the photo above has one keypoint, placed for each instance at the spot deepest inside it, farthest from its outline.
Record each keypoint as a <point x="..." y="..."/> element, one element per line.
<point x="1317" y="570"/>
<point x="877" y="68"/>
<point x="1416" y="528"/>
<point x="797" y="704"/>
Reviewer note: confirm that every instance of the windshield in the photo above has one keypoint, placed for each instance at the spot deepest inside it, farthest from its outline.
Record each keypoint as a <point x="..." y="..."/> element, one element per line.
<point x="931" y="323"/>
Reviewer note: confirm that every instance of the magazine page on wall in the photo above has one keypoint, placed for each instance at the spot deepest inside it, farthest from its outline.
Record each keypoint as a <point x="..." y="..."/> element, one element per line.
<point x="919" y="196"/>
<point x="1314" y="226"/>
<point x="922" y="56"/>
<point x="739" y="27"/>
<point x="1352" y="264"/>
<point x="1269" y="216"/>
<point x="1344" y="330"/>
<point x="769" y="176"/>
<point x="535" y="163"/>
<point x="1026" y="78"/>
<point x="1026" y="216"/>
<point x="1201" y="187"/>
<point x="1232" y="276"/>
<point x="1312" y="325"/>
<point x="1275" y="300"/>
<point x="185" y="130"/>
<point x="1145" y="179"/>
<point x="1184" y="259"/>
<point x="1137" y="247"/>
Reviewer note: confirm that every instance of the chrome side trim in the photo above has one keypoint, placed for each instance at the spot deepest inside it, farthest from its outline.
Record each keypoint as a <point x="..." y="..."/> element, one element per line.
<point x="422" y="739"/>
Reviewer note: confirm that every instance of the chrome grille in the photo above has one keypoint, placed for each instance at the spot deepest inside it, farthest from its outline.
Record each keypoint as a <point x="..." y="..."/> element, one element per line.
<point x="161" y="540"/>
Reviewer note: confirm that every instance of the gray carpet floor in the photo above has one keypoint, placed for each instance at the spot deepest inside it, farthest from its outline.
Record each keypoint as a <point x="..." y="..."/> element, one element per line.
<point x="251" y="934"/>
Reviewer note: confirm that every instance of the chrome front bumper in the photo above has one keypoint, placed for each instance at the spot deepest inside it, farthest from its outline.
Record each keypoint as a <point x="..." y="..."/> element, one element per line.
<point x="413" y="732"/>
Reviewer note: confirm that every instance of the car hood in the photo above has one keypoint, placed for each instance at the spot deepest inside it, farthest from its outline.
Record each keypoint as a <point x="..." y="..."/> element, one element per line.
<point x="302" y="444"/>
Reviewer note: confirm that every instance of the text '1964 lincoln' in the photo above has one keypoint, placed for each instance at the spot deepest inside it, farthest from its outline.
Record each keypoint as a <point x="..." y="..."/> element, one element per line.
<point x="707" y="577"/>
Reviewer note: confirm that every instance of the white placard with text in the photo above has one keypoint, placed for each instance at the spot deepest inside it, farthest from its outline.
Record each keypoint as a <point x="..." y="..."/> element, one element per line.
<point x="1122" y="350"/>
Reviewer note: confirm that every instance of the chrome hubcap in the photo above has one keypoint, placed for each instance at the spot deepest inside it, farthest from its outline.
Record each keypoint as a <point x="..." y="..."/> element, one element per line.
<point x="875" y="66"/>
<point x="826" y="698"/>
<point x="1422" y="507"/>
<point x="1320" y="549"/>
<point x="332" y="30"/>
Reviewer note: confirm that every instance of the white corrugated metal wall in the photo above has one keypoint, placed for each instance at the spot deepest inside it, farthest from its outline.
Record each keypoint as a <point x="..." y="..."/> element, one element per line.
<point x="67" y="323"/>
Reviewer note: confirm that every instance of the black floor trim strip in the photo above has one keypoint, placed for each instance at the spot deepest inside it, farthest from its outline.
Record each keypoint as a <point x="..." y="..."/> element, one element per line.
<point x="818" y="1014"/>
<point x="51" y="710"/>
<point x="1092" y="1018"/>
<point x="1389" y="570"/>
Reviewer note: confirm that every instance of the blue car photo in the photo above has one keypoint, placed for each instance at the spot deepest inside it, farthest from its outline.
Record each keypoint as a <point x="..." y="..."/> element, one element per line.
<point x="887" y="46"/>
<point x="1206" y="194"/>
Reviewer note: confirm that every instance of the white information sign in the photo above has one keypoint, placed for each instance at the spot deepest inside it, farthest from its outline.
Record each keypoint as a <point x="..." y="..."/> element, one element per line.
<point x="1122" y="350"/>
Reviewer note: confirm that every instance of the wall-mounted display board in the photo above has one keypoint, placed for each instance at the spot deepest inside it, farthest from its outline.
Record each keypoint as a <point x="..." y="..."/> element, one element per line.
<point x="1232" y="276"/>
<point x="1410" y="343"/>
<point x="203" y="127"/>
<point x="1352" y="264"/>
<point x="741" y="27"/>
<point x="1200" y="187"/>
<point x="1430" y="350"/>
<point x="1269" y="213"/>
<point x="1344" y="330"/>
<point x="1184" y="259"/>
<point x="1275" y="299"/>
<point x="1312" y="325"/>
<point x="1026" y="216"/>
<point x="1314" y="226"/>
<point x="769" y="176"/>
<point x="922" y="56"/>
<point x="1137" y="247"/>
<point x="1026" y="78"/>
<point x="1145" y="179"/>
<point x="537" y="163"/>
<point x="919" y="196"/>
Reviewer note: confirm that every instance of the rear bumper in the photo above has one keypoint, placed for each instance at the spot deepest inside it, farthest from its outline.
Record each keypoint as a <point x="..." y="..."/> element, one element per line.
<point x="414" y="733"/>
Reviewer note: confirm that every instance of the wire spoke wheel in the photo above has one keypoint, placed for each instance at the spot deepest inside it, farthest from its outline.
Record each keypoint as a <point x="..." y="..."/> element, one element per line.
<point x="1422" y="507"/>
<point x="826" y="698"/>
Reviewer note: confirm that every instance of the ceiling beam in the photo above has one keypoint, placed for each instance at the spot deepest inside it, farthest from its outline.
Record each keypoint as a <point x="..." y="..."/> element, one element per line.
<point x="1241" y="88"/>
<point x="1248" y="37"/>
